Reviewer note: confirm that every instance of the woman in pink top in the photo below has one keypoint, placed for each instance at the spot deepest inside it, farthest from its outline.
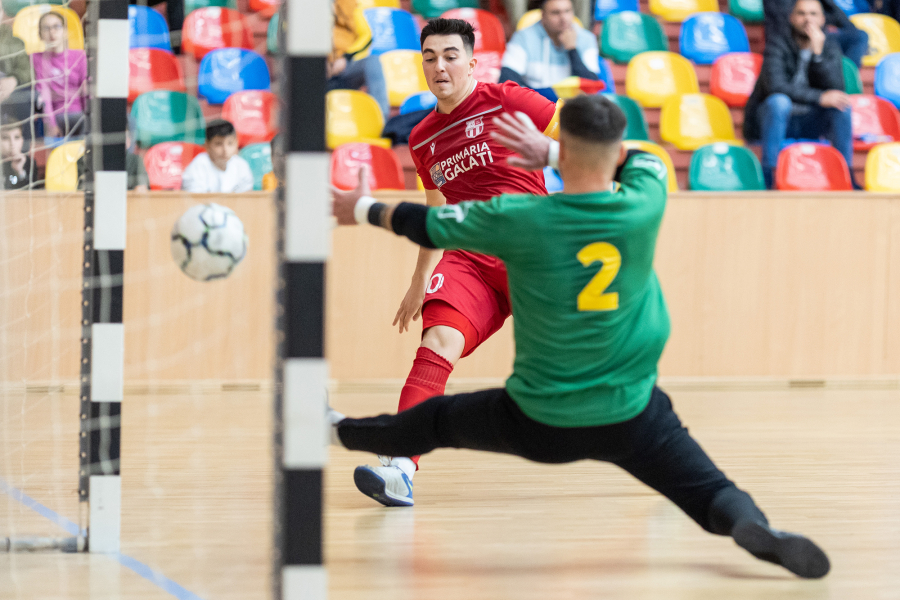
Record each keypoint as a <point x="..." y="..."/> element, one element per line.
<point x="61" y="78"/>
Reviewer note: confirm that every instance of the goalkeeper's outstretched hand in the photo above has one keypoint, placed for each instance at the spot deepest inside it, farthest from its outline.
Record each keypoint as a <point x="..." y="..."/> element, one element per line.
<point x="343" y="202"/>
<point x="520" y="135"/>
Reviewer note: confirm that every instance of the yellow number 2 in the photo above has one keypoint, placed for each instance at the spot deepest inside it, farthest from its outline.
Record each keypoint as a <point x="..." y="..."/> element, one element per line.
<point x="592" y="297"/>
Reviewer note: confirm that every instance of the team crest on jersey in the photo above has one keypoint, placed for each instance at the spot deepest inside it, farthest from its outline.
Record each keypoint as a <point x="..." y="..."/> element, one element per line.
<point x="437" y="176"/>
<point x="474" y="127"/>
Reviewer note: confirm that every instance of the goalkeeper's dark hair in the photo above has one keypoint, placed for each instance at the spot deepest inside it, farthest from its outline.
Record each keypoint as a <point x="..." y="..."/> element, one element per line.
<point x="458" y="27"/>
<point x="219" y="128"/>
<point x="593" y="118"/>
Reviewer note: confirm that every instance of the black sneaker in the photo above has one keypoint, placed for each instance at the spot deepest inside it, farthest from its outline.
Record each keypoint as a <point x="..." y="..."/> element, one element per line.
<point x="797" y="554"/>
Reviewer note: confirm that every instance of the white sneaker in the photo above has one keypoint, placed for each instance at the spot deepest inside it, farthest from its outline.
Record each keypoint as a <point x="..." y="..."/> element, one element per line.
<point x="386" y="484"/>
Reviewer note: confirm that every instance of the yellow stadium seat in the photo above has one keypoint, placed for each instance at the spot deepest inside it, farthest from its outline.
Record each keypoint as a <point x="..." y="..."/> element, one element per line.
<point x="884" y="36"/>
<point x="654" y="76"/>
<point x="403" y="74"/>
<point x="657" y="151"/>
<point x="419" y="185"/>
<point x="533" y="16"/>
<point x="364" y="4"/>
<point x="883" y="168"/>
<point x="25" y="26"/>
<point x="689" y="121"/>
<point x="677" y="11"/>
<point x="353" y="116"/>
<point x="62" y="167"/>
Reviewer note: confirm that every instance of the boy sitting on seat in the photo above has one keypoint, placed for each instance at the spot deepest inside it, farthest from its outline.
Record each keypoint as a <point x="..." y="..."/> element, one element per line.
<point x="219" y="169"/>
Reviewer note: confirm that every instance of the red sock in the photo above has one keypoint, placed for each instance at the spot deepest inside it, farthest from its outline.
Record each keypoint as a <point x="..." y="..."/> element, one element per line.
<point x="427" y="378"/>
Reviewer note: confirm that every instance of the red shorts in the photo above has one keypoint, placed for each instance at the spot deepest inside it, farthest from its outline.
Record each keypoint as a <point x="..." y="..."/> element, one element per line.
<point x="470" y="293"/>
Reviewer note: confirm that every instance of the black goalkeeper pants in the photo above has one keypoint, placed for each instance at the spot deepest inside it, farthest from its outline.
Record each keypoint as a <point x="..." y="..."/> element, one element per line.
<point x="653" y="446"/>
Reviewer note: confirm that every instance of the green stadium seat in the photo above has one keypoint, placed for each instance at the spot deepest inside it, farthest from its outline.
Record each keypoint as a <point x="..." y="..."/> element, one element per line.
<point x="272" y="35"/>
<point x="431" y="9"/>
<point x="165" y="116"/>
<point x="637" y="125"/>
<point x="627" y="34"/>
<point x="192" y="5"/>
<point x="11" y="7"/>
<point x="723" y="167"/>
<point x="748" y="11"/>
<point x="259" y="156"/>
<point x="852" y="81"/>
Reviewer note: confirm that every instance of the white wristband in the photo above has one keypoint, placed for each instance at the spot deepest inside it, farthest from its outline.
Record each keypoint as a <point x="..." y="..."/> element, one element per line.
<point x="553" y="155"/>
<point x="361" y="210"/>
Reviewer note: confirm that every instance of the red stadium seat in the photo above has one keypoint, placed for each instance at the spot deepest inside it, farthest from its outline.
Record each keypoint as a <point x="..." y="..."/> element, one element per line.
<point x="385" y="171"/>
<point x="153" y="69"/>
<point x="254" y="114"/>
<point x="875" y="121"/>
<point x="166" y="162"/>
<point x="266" y="8"/>
<point x="206" y="29"/>
<point x="490" y="41"/>
<point x="733" y="76"/>
<point x="812" y="168"/>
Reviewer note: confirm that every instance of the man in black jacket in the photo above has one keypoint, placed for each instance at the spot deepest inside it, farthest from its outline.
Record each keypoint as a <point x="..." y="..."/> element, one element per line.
<point x="854" y="42"/>
<point x="800" y="91"/>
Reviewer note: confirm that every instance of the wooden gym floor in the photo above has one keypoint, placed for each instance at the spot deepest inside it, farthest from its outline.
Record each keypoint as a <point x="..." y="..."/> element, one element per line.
<point x="197" y="495"/>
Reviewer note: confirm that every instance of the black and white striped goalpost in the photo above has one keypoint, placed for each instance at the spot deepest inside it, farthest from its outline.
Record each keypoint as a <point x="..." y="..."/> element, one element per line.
<point x="103" y="337"/>
<point x="304" y="245"/>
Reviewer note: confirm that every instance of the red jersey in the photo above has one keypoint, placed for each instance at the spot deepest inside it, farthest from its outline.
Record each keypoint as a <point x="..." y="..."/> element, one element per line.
<point x="456" y="154"/>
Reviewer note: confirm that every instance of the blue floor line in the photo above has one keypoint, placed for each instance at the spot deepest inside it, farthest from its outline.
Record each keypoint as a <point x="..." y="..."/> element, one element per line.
<point x="148" y="573"/>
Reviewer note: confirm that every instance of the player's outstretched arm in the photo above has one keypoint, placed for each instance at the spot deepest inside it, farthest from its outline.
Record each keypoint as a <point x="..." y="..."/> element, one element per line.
<point x="517" y="132"/>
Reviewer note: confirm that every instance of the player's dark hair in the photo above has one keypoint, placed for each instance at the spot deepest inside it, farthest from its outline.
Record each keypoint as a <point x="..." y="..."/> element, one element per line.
<point x="219" y="128"/>
<point x="458" y="27"/>
<point x="593" y="118"/>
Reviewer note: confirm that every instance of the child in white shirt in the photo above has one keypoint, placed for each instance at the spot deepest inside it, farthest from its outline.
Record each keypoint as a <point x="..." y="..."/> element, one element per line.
<point x="219" y="169"/>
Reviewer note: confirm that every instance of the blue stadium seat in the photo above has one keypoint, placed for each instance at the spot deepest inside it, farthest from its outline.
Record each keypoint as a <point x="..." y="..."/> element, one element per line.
<point x="707" y="36"/>
<point x="604" y="8"/>
<point x="606" y="76"/>
<point x="552" y="180"/>
<point x="887" y="78"/>
<point x="148" y="29"/>
<point x="392" y="29"/>
<point x="228" y="70"/>
<point x="852" y="7"/>
<point x="419" y="101"/>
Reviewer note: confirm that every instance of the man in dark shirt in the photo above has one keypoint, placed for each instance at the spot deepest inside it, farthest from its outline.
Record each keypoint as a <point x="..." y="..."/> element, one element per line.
<point x="854" y="42"/>
<point x="799" y="93"/>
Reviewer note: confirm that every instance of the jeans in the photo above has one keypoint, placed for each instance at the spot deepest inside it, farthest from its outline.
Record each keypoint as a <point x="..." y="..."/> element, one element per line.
<point x="364" y="72"/>
<point x="777" y="123"/>
<point x="854" y="43"/>
<point x="653" y="446"/>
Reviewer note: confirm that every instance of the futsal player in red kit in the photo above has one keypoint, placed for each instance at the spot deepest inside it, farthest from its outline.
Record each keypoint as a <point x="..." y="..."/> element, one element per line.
<point x="464" y="299"/>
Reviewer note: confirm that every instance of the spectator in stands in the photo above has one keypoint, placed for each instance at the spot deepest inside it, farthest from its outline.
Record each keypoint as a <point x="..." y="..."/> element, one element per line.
<point x="61" y="78"/>
<point x="134" y="165"/>
<point x="219" y="169"/>
<point x="550" y="50"/>
<point x="273" y="178"/>
<point x="854" y="42"/>
<point x="800" y="91"/>
<point x="350" y="65"/>
<point x="18" y="170"/>
<point x="890" y="8"/>
<point x="15" y="74"/>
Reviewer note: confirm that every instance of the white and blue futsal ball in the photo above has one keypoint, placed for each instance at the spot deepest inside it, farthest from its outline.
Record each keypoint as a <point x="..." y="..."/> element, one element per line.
<point x="208" y="242"/>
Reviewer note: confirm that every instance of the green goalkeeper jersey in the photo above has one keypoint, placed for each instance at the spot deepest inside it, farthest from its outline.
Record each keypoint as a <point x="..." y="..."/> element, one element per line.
<point x="590" y="318"/>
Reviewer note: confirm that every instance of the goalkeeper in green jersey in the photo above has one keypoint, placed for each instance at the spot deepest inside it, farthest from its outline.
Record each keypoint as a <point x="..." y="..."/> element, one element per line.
<point x="591" y="323"/>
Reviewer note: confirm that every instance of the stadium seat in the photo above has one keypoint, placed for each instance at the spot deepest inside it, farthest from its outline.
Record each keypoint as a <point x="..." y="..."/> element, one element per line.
<point x="636" y="129"/>
<point x="812" y="168"/>
<point x="707" y="36"/>
<point x="887" y="79"/>
<point x="153" y="69"/>
<point x="853" y="7"/>
<point x="723" y="167"/>
<point x="227" y="70"/>
<point x="552" y="181"/>
<point x="884" y="36"/>
<point x="606" y="76"/>
<point x="689" y="121"/>
<point x="733" y="77"/>
<point x="272" y="34"/>
<point x="533" y="16"/>
<point x="385" y="172"/>
<point x="626" y="34"/>
<point x="259" y="157"/>
<point x="265" y="8"/>
<point x="679" y="10"/>
<point x="353" y="116"/>
<point x="254" y="114"/>
<point x="883" y="168"/>
<point x="418" y="101"/>
<point x="207" y="29"/>
<point x="875" y="121"/>
<point x="147" y="29"/>
<point x="164" y="116"/>
<point x="403" y="74"/>
<point x="392" y="29"/>
<point x="654" y="76"/>
<point x="490" y="41"/>
<point x="431" y="9"/>
<point x="192" y="5"/>
<point x="166" y="162"/>
<point x="61" y="174"/>
<point x="604" y="8"/>
<point x="657" y="151"/>
<point x="852" y="80"/>
<point x="748" y="11"/>
<point x="25" y="26"/>
<point x="364" y="4"/>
